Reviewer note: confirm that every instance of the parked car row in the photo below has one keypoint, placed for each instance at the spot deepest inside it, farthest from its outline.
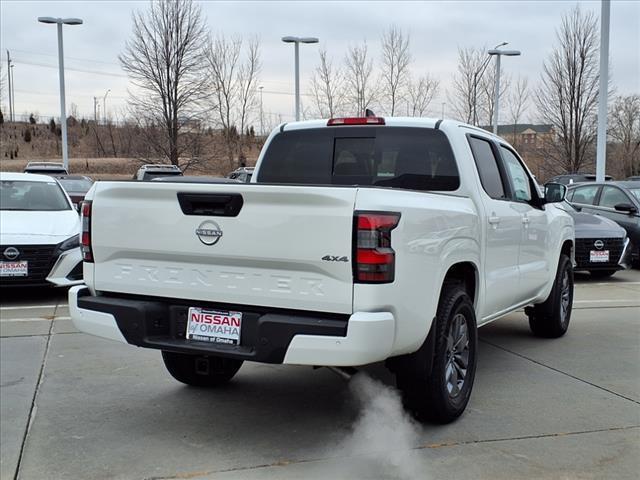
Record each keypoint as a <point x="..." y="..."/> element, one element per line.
<point x="606" y="216"/>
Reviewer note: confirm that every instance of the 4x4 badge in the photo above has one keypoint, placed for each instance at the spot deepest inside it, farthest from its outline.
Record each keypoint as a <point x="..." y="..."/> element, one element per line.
<point x="332" y="258"/>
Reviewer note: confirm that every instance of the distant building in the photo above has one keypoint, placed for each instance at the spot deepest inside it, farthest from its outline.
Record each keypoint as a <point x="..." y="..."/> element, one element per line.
<point x="529" y="139"/>
<point x="527" y="134"/>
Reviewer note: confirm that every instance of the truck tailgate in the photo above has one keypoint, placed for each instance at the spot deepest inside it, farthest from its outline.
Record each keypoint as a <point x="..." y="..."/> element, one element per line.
<point x="270" y="254"/>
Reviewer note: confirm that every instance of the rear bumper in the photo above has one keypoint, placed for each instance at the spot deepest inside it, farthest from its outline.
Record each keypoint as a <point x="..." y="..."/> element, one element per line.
<point x="299" y="338"/>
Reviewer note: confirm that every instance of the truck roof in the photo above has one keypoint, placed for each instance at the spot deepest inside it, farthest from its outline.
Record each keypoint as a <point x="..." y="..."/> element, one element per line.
<point x="425" y="122"/>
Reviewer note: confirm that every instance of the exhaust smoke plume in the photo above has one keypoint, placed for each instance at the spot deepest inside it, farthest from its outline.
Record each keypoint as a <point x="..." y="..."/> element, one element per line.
<point x="383" y="437"/>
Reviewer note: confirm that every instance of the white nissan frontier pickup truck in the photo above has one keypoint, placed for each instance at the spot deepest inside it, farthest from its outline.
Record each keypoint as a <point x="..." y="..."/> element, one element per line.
<point x="358" y="240"/>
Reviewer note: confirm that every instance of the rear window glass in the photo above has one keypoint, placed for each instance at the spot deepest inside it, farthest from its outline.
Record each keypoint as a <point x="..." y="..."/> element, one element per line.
<point x="409" y="158"/>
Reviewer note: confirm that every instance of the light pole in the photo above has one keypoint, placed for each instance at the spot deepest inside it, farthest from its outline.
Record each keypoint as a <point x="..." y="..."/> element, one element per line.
<point x="601" y="142"/>
<point x="104" y="106"/>
<point x="261" y="112"/>
<point x="9" y="80"/>
<point x="496" y="103"/>
<point x="297" y="41"/>
<point x="13" y="93"/>
<point x="477" y="76"/>
<point x="63" y="113"/>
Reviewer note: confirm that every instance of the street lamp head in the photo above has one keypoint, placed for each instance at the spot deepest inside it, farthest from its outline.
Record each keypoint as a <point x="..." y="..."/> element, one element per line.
<point x="292" y="39"/>
<point x="48" y="20"/>
<point x="508" y="53"/>
<point x="66" y="21"/>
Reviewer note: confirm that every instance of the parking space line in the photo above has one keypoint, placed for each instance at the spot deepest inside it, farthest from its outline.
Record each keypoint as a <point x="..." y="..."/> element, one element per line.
<point x="623" y="300"/>
<point x="33" y="319"/>
<point x="27" y="307"/>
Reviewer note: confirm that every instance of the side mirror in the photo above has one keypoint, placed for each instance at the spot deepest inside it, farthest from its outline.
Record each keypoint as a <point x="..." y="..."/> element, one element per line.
<point x="625" y="207"/>
<point x="554" y="192"/>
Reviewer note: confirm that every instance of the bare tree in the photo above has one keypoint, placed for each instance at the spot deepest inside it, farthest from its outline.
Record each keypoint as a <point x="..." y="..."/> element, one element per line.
<point x="396" y="59"/>
<point x="247" y="88"/>
<point x="233" y="84"/>
<point x="2" y="80"/>
<point x="420" y="93"/>
<point x="327" y="88"/>
<point x="517" y="104"/>
<point x="567" y="97"/>
<point x="165" y="59"/>
<point x="360" y="91"/>
<point x="466" y="97"/>
<point x="624" y="131"/>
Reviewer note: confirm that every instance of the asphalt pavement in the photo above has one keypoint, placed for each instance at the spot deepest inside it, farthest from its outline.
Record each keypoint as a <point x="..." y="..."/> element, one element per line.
<point x="79" y="407"/>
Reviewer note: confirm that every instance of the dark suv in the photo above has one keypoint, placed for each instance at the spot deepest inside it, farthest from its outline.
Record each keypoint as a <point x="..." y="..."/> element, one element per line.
<point x="618" y="201"/>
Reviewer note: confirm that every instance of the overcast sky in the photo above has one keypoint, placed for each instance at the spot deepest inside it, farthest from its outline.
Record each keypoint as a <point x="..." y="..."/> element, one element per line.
<point x="436" y="31"/>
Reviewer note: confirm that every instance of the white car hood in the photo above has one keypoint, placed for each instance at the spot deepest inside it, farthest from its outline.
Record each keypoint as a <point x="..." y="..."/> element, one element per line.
<point x="21" y="227"/>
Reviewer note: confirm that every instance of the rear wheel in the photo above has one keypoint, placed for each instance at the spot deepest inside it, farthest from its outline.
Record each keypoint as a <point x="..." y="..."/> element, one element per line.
<point x="200" y="370"/>
<point x="441" y="394"/>
<point x="601" y="273"/>
<point x="551" y="318"/>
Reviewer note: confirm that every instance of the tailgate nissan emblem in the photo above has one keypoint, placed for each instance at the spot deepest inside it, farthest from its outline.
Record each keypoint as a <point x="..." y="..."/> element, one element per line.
<point x="209" y="232"/>
<point x="599" y="244"/>
<point x="11" y="253"/>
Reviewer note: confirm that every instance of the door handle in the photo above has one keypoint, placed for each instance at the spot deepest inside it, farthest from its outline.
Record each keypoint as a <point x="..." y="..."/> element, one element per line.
<point x="525" y="220"/>
<point x="494" y="220"/>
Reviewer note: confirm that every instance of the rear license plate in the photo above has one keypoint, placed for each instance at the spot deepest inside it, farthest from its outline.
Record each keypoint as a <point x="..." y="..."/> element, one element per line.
<point x="214" y="326"/>
<point x="599" y="256"/>
<point x="14" y="269"/>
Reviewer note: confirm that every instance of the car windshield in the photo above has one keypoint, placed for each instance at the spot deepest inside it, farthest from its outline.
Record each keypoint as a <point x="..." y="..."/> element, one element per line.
<point x="32" y="196"/>
<point x="636" y="193"/>
<point x="75" y="184"/>
<point x="169" y="173"/>
<point x="46" y="171"/>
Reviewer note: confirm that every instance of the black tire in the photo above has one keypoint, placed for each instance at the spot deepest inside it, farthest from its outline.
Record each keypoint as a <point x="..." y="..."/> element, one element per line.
<point x="429" y="394"/>
<point x="601" y="273"/>
<point x="550" y="319"/>
<point x="200" y="370"/>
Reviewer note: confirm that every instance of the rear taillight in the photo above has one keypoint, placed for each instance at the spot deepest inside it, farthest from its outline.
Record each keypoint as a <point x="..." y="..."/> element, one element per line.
<point x="374" y="259"/>
<point x="85" y="237"/>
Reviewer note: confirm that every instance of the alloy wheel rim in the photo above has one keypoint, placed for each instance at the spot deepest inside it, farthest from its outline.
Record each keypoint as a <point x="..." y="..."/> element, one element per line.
<point x="565" y="297"/>
<point x="457" y="355"/>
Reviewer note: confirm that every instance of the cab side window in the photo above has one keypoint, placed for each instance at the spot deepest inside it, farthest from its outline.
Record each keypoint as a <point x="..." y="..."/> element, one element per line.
<point x="487" y="166"/>
<point x="520" y="182"/>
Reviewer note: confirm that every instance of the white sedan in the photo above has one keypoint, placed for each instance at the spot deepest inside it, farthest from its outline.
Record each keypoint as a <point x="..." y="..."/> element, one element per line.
<point x="39" y="230"/>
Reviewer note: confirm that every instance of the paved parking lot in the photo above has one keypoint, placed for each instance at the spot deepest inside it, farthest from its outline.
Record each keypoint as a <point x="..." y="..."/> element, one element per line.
<point x="79" y="407"/>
